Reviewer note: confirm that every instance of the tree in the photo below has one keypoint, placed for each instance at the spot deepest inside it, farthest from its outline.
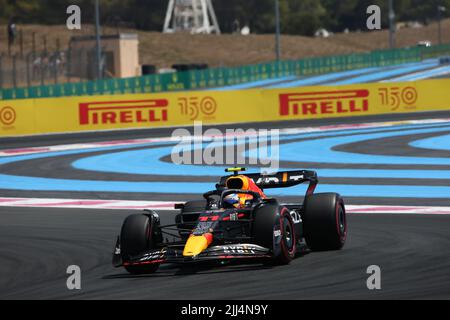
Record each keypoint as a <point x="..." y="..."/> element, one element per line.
<point x="297" y="16"/>
<point x="303" y="17"/>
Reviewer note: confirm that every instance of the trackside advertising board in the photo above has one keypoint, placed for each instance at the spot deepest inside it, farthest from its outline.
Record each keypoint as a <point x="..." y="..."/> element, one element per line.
<point x="96" y="113"/>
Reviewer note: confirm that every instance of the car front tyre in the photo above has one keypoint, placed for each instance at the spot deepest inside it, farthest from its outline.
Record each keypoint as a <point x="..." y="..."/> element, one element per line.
<point x="136" y="236"/>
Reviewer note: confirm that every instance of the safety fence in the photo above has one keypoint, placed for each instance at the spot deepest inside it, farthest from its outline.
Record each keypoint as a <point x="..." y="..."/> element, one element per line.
<point x="219" y="77"/>
<point x="44" y="71"/>
<point x="171" y="109"/>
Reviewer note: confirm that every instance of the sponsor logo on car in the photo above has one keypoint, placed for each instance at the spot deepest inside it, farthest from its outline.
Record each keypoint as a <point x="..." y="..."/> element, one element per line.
<point x="276" y="180"/>
<point x="296" y="217"/>
<point x="324" y="102"/>
<point x="122" y="112"/>
<point x="244" y="249"/>
<point x="154" y="255"/>
<point x="267" y="180"/>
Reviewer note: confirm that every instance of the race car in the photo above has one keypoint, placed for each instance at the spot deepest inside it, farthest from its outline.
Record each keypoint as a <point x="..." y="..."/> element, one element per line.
<point x="235" y="222"/>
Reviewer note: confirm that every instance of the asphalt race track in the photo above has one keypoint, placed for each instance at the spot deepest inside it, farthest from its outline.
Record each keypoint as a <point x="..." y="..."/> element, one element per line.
<point x="384" y="164"/>
<point x="428" y="69"/>
<point x="38" y="244"/>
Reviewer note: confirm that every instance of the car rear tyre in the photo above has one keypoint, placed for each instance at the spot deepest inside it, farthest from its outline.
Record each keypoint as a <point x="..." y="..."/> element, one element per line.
<point x="324" y="221"/>
<point x="137" y="236"/>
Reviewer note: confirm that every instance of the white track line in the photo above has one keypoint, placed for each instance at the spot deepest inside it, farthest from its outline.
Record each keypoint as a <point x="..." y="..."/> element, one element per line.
<point x="375" y="209"/>
<point x="161" y="205"/>
<point x="423" y="74"/>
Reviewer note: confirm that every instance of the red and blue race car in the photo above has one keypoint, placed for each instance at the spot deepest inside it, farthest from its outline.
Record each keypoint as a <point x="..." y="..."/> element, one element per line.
<point x="235" y="221"/>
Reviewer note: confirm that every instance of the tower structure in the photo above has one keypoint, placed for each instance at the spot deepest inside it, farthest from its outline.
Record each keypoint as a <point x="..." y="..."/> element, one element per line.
<point x="194" y="16"/>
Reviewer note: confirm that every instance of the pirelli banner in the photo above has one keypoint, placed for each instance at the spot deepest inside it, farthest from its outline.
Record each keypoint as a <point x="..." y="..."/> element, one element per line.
<point x="95" y="113"/>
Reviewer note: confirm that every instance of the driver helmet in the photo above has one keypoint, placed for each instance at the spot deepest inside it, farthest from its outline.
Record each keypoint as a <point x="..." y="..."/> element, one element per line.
<point x="231" y="200"/>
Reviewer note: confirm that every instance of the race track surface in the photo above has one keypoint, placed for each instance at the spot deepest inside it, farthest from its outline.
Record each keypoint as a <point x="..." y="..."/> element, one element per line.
<point x="380" y="161"/>
<point x="384" y="161"/>
<point x="427" y="69"/>
<point x="38" y="244"/>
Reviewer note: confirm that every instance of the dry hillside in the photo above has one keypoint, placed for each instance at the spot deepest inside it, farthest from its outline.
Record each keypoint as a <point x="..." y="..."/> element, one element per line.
<point x="164" y="50"/>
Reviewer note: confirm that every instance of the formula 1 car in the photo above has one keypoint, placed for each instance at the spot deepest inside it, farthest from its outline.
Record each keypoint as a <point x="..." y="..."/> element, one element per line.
<point x="255" y="227"/>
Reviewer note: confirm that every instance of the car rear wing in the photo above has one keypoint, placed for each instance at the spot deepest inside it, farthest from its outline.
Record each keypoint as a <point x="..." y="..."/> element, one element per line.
<point x="282" y="179"/>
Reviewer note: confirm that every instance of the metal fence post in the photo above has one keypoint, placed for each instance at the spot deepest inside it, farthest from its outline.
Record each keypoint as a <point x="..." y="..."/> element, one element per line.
<point x="69" y="63"/>
<point x="27" y="66"/>
<point x="14" y="70"/>
<point x="1" y="71"/>
<point x="41" y="70"/>
<point x="21" y="42"/>
<point x="44" y="38"/>
<point x="81" y="67"/>
<point x="33" y="44"/>
<point x="9" y="48"/>
<point x="55" y="67"/>
<point x="277" y="31"/>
